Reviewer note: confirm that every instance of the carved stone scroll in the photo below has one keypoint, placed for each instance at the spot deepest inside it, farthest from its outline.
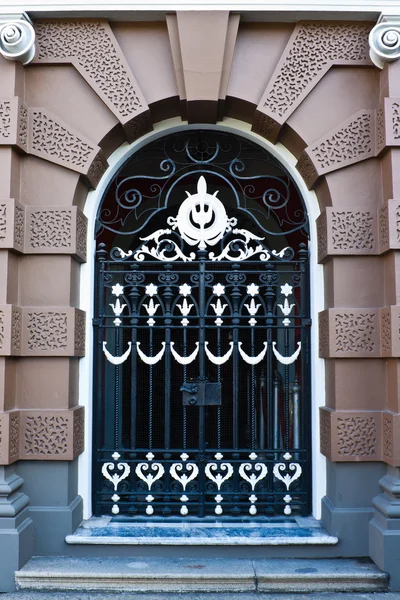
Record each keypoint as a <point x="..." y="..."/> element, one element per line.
<point x="350" y="435"/>
<point x="94" y="51"/>
<point x="346" y="232"/>
<point x="53" y="331"/>
<point x="351" y="142"/>
<point x="349" y="333"/>
<point x="52" y="434"/>
<point x="312" y="50"/>
<point x="202" y="46"/>
<point x="56" y="230"/>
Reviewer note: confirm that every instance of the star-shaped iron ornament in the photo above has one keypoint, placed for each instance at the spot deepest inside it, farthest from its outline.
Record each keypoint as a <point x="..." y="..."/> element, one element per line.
<point x="185" y="290"/>
<point x="117" y="290"/>
<point x="253" y="289"/>
<point x="151" y="289"/>
<point x="286" y="289"/>
<point x="218" y="289"/>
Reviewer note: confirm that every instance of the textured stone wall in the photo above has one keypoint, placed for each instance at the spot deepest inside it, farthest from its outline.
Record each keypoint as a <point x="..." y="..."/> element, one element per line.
<point x="96" y="85"/>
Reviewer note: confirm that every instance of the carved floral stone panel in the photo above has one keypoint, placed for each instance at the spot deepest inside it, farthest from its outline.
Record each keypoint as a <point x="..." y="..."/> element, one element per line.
<point x="390" y="331"/>
<point x="11" y="225"/>
<point x="51" y="434"/>
<point x="10" y="331"/>
<point x="354" y="435"/>
<point x="52" y="139"/>
<point x="388" y="124"/>
<point x="349" y="332"/>
<point x="311" y="51"/>
<point x="346" y="232"/>
<point x="94" y="51"/>
<point x="9" y="437"/>
<point x="52" y="331"/>
<point x="350" y="142"/>
<point x="58" y="230"/>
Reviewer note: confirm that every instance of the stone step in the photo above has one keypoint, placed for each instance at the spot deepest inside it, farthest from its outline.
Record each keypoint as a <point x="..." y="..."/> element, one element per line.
<point x="299" y="532"/>
<point x="200" y="575"/>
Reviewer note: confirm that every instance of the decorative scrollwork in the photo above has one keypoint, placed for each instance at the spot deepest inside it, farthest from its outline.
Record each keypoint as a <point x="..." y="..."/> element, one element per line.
<point x="253" y="360"/>
<point x="286" y="360"/>
<point x="117" y="360"/>
<point x="115" y="478"/>
<point x="184" y="360"/>
<point x="218" y="360"/>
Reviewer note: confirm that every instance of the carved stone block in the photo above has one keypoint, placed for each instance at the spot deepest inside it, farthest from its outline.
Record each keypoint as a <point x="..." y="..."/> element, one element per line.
<point x="52" y="434"/>
<point x="57" y="331"/>
<point x="350" y="142"/>
<point x="57" y="230"/>
<point x="10" y="330"/>
<point x="9" y="437"/>
<point x="311" y="51"/>
<point x="349" y="332"/>
<point x="13" y="123"/>
<point x="390" y="331"/>
<point x="56" y="141"/>
<point x="346" y="232"/>
<point x="389" y="226"/>
<point x="353" y="435"/>
<point x="94" y="51"/>
<point x="388" y="124"/>
<point x="12" y="223"/>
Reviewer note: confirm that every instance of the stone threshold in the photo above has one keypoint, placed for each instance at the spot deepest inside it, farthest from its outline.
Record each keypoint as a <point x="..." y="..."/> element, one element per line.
<point x="103" y="531"/>
<point x="200" y="575"/>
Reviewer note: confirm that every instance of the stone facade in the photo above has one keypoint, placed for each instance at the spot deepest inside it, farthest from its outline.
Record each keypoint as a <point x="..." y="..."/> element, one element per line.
<point x="96" y="85"/>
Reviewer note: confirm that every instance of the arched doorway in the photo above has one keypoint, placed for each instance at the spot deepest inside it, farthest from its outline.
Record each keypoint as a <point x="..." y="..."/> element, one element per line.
<point x="202" y="346"/>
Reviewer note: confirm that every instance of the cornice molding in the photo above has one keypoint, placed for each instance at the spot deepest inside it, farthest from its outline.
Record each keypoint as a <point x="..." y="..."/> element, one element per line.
<point x="17" y="37"/>
<point x="384" y="40"/>
<point x="256" y="10"/>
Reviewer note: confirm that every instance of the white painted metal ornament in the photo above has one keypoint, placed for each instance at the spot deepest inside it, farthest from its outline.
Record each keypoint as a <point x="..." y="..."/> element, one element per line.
<point x="218" y="360"/>
<point x="150" y="360"/>
<point x="117" y="307"/>
<point x="219" y="479"/>
<point x="184" y="479"/>
<point x="116" y="360"/>
<point x="202" y="220"/>
<point x="252" y="307"/>
<point x="151" y="477"/>
<point x="163" y="249"/>
<point x="184" y="360"/>
<point x="253" y="360"/>
<point x="185" y="307"/>
<point x="115" y="478"/>
<point x="253" y="479"/>
<point x="219" y="308"/>
<point x="286" y="360"/>
<point x="151" y="307"/>
<point x="287" y="479"/>
<point x="286" y="308"/>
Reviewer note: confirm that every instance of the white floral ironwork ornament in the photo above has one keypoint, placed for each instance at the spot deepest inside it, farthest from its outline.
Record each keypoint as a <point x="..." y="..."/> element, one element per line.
<point x="202" y="220"/>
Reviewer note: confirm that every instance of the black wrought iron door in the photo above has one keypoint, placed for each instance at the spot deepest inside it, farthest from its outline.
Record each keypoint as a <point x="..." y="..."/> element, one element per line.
<point x="202" y="350"/>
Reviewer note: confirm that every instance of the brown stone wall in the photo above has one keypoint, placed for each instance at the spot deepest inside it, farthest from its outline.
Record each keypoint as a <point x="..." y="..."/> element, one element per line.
<point x="95" y="85"/>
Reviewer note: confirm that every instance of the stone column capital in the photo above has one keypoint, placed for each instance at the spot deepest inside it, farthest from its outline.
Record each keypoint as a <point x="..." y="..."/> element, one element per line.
<point x="17" y="37"/>
<point x="384" y="40"/>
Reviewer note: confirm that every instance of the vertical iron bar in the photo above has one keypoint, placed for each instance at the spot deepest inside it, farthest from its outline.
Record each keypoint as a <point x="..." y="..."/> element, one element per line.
<point x="134" y="321"/>
<point x="235" y="321"/>
<point x="219" y="381"/>
<point x="253" y="403"/>
<point x="269" y="278"/>
<point x="276" y="411"/>
<point x="202" y="368"/>
<point x="151" y="391"/>
<point x="184" y="380"/>
<point x="168" y="295"/>
<point x="286" y="388"/>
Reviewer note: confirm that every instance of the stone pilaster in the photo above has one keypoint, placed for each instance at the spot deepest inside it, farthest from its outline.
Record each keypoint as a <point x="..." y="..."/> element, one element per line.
<point x="16" y="527"/>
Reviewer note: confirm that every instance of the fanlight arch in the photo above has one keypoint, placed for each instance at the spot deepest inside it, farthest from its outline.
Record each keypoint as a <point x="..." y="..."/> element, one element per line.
<point x="202" y="375"/>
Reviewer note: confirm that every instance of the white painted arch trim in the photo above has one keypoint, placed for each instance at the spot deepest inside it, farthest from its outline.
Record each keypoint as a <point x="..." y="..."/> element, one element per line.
<point x="115" y="161"/>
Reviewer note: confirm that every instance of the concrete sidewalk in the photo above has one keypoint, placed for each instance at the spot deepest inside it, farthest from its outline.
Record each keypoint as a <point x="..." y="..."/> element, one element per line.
<point x="29" y="595"/>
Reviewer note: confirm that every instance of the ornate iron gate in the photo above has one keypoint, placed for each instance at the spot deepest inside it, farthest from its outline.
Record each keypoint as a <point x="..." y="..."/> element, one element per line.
<point x="202" y="400"/>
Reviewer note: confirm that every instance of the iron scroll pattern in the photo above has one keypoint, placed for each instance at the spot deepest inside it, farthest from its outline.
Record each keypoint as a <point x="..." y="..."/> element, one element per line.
<point x="252" y="180"/>
<point x="202" y="301"/>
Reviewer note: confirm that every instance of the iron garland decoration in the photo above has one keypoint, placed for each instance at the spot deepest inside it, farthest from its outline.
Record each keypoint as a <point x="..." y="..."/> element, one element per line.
<point x="202" y="335"/>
